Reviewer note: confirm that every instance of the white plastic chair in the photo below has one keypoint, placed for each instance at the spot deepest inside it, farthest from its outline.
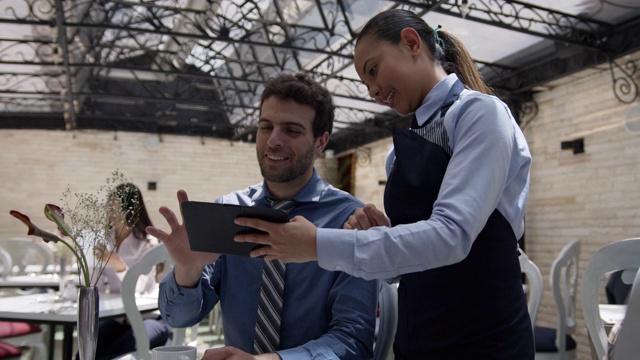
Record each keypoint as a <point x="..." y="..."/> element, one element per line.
<point x="564" y="282"/>
<point x="35" y="255"/>
<point x="620" y="255"/>
<point x="150" y="259"/>
<point x="6" y="264"/>
<point x="534" y="286"/>
<point x="627" y="345"/>
<point x="387" y="321"/>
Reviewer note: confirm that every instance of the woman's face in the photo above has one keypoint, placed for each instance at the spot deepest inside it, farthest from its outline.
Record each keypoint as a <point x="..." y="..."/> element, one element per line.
<point x="392" y="73"/>
<point x="116" y="216"/>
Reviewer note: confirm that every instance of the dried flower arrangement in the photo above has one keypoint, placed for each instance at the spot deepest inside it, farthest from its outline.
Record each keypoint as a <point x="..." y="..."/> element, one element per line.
<point x="89" y="225"/>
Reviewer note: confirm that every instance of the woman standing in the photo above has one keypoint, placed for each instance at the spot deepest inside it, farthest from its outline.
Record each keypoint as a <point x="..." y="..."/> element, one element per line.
<point x="455" y="199"/>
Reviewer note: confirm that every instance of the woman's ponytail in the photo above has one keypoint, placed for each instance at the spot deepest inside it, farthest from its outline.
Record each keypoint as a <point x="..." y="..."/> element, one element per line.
<point x="446" y="49"/>
<point x="457" y="60"/>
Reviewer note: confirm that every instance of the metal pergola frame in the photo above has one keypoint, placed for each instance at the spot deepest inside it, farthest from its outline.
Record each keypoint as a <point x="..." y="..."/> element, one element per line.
<point x="195" y="67"/>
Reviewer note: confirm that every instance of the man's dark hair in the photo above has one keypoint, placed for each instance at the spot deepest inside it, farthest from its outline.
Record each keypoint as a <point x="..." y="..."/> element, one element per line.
<point x="301" y="88"/>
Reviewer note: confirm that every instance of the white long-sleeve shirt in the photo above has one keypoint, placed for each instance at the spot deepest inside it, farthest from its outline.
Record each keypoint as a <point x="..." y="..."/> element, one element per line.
<point x="131" y="251"/>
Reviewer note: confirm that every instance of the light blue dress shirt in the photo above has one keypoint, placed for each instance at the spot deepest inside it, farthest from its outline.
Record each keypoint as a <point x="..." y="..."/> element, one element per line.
<point x="488" y="170"/>
<point x="327" y="315"/>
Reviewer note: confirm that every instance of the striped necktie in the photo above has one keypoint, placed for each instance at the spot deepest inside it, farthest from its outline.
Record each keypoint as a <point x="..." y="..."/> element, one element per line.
<point x="267" y="332"/>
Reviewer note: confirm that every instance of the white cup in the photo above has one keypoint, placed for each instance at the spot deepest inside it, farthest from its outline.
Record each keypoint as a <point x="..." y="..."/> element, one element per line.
<point x="177" y="352"/>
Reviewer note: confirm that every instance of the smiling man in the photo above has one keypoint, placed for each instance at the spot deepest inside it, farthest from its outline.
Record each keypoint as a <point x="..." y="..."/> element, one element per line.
<point x="325" y="314"/>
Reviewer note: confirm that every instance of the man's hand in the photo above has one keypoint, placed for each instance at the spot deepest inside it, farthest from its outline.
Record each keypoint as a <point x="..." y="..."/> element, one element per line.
<point x="188" y="264"/>
<point x="294" y="241"/>
<point x="231" y="353"/>
<point x="365" y="218"/>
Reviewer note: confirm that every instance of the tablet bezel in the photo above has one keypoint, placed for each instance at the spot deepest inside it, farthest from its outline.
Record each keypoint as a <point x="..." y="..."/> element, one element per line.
<point x="210" y="226"/>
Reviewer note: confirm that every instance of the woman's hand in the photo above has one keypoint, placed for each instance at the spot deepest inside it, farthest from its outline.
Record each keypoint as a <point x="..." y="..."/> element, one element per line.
<point x="294" y="241"/>
<point x="366" y="217"/>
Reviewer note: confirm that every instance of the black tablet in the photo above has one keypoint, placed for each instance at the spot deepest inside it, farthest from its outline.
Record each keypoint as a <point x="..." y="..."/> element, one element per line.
<point x="210" y="226"/>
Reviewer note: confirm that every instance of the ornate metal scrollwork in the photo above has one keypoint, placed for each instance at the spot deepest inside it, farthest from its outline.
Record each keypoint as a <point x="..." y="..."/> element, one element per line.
<point x="200" y="64"/>
<point x="363" y="156"/>
<point x="23" y="104"/>
<point x="523" y="17"/>
<point x="528" y="111"/>
<point x="523" y="107"/>
<point x="625" y="87"/>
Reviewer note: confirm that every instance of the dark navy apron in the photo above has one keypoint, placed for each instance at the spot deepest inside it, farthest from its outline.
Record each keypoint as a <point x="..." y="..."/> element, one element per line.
<point x="475" y="309"/>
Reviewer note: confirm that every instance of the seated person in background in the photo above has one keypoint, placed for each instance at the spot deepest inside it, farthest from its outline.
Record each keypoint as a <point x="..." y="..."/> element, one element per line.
<point x="115" y="336"/>
<point x="617" y="290"/>
<point x="325" y="314"/>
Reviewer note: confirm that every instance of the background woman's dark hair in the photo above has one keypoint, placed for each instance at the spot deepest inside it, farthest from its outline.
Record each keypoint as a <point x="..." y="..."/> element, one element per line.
<point x="449" y="52"/>
<point x="301" y="88"/>
<point x="134" y="209"/>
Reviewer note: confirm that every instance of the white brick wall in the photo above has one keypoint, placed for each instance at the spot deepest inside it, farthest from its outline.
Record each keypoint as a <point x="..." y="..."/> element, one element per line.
<point x="594" y="196"/>
<point x="591" y="196"/>
<point x="38" y="165"/>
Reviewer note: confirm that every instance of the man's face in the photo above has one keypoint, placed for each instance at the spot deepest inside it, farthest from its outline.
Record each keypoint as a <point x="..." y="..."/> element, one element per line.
<point x="285" y="145"/>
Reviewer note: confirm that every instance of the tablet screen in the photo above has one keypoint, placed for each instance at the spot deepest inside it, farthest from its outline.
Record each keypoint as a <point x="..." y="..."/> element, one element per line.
<point x="210" y="226"/>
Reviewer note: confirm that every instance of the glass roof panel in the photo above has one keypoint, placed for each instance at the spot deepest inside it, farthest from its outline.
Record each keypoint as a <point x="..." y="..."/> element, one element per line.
<point x="210" y="57"/>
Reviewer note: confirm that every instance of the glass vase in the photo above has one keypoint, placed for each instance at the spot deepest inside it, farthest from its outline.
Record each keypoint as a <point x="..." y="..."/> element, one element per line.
<point x="88" y="322"/>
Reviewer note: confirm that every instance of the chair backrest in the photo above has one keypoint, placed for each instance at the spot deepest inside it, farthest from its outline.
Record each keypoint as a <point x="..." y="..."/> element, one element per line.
<point x="534" y="286"/>
<point x="627" y="345"/>
<point x="388" y="319"/>
<point x="27" y="253"/>
<point x="6" y="264"/>
<point x="151" y="258"/>
<point x="620" y="255"/>
<point x="564" y="282"/>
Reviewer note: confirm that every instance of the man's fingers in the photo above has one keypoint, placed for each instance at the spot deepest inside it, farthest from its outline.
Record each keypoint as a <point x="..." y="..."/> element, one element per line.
<point x="171" y="218"/>
<point x="182" y="197"/>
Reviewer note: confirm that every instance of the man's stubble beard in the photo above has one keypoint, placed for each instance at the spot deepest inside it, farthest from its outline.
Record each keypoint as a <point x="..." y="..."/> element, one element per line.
<point x="291" y="172"/>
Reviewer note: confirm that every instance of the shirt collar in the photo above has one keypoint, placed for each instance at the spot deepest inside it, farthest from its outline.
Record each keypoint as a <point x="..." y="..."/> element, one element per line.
<point x="434" y="99"/>
<point x="309" y="193"/>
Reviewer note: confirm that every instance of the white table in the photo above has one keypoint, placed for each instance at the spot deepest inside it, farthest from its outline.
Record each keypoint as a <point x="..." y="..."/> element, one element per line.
<point x="611" y="314"/>
<point x="50" y="269"/>
<point x="51" y="281"/>
<point x="45" y="309"/>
